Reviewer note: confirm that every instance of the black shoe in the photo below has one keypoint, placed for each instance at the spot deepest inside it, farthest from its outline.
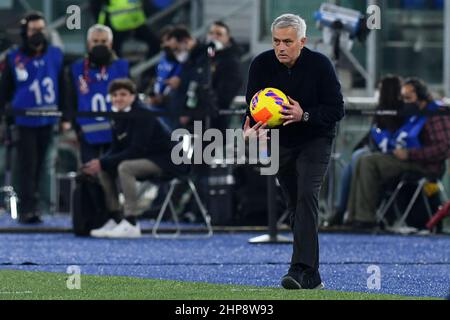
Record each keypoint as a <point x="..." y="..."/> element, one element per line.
<point x="30" y="218"/>
<point x="305" y="279"/>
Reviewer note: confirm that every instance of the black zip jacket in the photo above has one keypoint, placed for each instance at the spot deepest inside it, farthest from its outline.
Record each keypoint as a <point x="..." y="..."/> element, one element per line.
<point x="312" y="81"/>
<point x="226" y="75"/>
<point x="195" y="69"/>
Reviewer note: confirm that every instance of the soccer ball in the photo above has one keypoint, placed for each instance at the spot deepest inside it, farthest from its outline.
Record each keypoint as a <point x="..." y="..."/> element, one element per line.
<point x="266" y="104"/>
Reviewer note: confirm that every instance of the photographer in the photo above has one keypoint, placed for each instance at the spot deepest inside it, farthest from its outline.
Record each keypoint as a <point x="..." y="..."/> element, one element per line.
<point x="32" y="80"/>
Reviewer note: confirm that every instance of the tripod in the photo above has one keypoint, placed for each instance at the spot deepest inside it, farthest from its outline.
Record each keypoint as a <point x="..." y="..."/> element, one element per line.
<point x="7" y="191"/>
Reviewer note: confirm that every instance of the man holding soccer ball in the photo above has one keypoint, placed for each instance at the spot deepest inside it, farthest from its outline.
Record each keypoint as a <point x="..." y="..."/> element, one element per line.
<point x="315" y="105"/>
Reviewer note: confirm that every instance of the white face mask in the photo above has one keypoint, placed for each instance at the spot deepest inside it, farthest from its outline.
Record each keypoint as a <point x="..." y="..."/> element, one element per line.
<point x="182" y="56"/>
<point x="217" y="44"/>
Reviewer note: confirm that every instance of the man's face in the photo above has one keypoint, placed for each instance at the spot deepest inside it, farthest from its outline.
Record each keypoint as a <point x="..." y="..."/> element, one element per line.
<point x="219" y="33"/>
<point x="35" y="26"/>
<point x="409" y="95"/>
<point x="287" y="45"/>
<point x="122" y="98"/>
<point x="98" y="38"/>
<point x="178" y="46"/>
<point x="180" y="49"/>
<point x="168" y="43"/>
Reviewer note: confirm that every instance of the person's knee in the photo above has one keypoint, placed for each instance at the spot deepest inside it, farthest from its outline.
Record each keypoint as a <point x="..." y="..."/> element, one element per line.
<point x="374" y="161"/>
<point x="124" y="168"/>
<point x="367" y="162"/>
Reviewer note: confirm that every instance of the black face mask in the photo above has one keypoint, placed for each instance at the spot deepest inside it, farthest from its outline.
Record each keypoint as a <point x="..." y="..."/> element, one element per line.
<point x="100" y="55"/>
<point x="37" y="40"/>
<point x="169" y="55"/>
<point x="409" y="109"/>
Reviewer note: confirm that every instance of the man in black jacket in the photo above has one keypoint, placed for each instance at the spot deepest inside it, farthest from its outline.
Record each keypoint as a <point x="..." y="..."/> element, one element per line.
<point x="226" y="75"/>
<point x="194" y="79"/>
<point x="316" y="104"/>
<point x="141" y="148"/>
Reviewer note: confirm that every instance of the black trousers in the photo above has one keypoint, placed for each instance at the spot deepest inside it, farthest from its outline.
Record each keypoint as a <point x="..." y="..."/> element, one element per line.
<point x="32" y="146"/>
<point x="301" y="174"/>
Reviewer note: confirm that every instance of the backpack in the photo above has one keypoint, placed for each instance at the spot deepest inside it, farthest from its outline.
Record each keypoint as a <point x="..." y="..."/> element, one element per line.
<point x="89" y="207"/>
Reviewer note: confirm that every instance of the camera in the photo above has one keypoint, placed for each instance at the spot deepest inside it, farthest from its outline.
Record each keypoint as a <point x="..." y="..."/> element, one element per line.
<point x="340" y="26"/>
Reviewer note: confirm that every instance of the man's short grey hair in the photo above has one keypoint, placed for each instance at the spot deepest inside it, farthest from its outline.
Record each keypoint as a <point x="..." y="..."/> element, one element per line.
<point x="290" y="20"/>
<point x="100" y="28"/>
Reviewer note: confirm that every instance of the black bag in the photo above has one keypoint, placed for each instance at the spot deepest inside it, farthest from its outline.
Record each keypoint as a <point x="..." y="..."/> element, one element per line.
<point x="89" y="208"/>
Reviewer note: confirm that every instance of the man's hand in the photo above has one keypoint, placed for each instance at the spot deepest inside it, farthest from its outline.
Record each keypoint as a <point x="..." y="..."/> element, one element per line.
<point x="292" y="112"/>
<point x="257" y="131"/>
<point x="401" y="154"/>
<point x="173" y="82"/>
<point x="92" y="167"/>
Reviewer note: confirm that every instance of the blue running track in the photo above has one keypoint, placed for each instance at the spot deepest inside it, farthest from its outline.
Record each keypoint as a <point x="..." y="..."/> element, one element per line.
<point x="410" y="265"/>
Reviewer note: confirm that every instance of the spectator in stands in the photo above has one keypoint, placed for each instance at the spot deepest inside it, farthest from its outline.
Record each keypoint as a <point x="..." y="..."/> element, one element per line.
<point x="87" y="90"/>
<point x="194" y="91"/>
<point x="210" y="76"/>
<point x="382" y="128"/>
<point x="421" y="145"/>
<point x="225" y="69"/>
<point x="141" y="148"/>
<point x="32" y="80"/>
<point x="167" y="78"/>
<point x="168" y="71"/>
<point x="126" y="18"/>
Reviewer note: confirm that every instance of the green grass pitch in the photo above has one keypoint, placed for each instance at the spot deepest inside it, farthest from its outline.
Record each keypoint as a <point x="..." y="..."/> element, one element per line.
<point x="17" y="285"/>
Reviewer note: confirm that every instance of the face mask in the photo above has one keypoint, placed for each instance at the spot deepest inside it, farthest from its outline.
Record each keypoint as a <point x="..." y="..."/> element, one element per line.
<point x="36" y="40"/>
<point x="100" y="55"/>
<point x="409" y="109"/>
<point x="216" y="44"/>
<point x="182" y="56"/>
